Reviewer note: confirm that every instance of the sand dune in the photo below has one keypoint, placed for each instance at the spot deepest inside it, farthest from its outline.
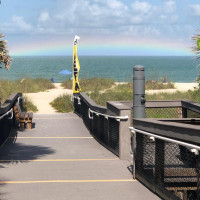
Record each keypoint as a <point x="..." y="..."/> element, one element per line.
<point x="182" y="87"/>
<point x="43" y="99"/>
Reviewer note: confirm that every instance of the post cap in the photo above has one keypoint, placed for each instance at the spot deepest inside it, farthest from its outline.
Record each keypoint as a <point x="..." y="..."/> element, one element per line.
<point x="138" y="68"/>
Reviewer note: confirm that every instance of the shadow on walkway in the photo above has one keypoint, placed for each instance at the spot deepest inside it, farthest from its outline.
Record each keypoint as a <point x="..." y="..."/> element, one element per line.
<point x="13" y="153"/>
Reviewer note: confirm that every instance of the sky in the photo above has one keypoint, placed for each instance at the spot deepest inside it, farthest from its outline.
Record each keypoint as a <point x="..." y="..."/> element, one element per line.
<point x="105" y="27"/>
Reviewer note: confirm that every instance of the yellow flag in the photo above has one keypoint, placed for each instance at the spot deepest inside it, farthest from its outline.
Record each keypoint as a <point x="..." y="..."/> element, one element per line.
<point x="76" y="67"/>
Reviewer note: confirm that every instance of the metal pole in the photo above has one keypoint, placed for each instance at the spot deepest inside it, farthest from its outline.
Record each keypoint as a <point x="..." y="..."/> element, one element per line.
<point x="138" y="92"/>
<point x="134" y="152"/>
<point x="138" y="111"/>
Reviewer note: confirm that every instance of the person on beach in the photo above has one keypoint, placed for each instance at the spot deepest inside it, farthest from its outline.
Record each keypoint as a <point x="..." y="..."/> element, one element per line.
<point x="164" y="79"/>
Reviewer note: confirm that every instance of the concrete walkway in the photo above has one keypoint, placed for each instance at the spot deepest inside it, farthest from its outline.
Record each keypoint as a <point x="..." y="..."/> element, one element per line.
<point x="59" y="160"/>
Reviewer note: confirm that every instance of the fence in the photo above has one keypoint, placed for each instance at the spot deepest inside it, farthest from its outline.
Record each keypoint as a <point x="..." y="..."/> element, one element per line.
<point x="108" y="125"/>
<point x="6" y="116"/>
<point x="166" y="151"/>
<point x="169" y="167"/>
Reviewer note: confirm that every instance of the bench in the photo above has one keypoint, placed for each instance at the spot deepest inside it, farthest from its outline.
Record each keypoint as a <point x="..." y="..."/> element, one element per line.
<point x="23" y="117"/>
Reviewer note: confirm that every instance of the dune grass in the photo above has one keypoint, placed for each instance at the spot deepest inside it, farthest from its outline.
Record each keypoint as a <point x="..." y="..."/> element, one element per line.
<point x="28" y="85"/>
<point x="94" y="87"/>
<point x="63" y="104"/>
<point x="155" y="85"/>
<point x="91" y="84"/>
<point x="28" y="105"/>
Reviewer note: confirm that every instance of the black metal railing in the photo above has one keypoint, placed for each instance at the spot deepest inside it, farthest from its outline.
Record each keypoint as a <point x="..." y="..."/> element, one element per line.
<point x="170" y="109"/>
<point x="169" y="167"/>
<point x="6" y="116"/>
<point x="168" y="162"/>
<point x="102" y="123"/>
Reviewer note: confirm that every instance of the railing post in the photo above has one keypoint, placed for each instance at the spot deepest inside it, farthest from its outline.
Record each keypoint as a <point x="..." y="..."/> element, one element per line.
<point x="184" y="112"/>
<point x="159" y="161"/>
<point x="198" y="177"/>
<point x="120" y="109"/>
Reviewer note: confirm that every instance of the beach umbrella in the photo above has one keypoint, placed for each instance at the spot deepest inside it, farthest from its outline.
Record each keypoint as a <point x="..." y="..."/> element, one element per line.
<point x="65" y="72"/>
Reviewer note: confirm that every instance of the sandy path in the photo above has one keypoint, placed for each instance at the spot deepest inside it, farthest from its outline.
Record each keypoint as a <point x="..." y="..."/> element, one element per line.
<point x="42" y="99"/>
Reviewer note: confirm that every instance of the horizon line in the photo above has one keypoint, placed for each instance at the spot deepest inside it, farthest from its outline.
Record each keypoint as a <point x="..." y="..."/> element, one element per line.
<point x="103" y="55"/>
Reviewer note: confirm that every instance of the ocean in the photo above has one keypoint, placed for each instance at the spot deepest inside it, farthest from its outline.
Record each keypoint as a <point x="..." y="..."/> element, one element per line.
<point x="175" y="68"/>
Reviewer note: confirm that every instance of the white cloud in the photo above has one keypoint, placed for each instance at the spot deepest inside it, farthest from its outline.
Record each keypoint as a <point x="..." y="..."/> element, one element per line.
<point x="195" y="9"/>
<point x="169" y="6"/>
<point x="163" y="16"/>
<point x="100" y="18"/>
<point x="114" y="4"/>
<point x="17" y="24"/>
<point x="141" y="7"/>
<point x="44" y="16"/>
<point x="174" y="19"/>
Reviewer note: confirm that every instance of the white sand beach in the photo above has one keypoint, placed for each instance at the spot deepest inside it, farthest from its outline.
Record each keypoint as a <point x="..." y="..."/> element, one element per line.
<point x="42" y="99"/>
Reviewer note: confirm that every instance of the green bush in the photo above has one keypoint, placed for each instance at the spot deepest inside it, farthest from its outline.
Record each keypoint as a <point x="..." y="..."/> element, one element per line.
<point x="63" y="104"/>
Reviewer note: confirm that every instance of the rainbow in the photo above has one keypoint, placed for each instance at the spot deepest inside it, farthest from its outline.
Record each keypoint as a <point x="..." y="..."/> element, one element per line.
<point x="107" y="47"/>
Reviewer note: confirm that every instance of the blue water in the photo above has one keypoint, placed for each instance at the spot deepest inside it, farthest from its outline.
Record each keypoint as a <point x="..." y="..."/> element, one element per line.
<point x="176" y="69"/>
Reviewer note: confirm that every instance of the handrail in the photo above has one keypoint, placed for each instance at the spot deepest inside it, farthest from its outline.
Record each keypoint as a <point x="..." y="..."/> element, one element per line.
<point x="75" y="97"/>
<point x="118" y="118"/>
<point x="194" y="148"/>
<point x="18" y="99"/>
<point x="10" y="111"/>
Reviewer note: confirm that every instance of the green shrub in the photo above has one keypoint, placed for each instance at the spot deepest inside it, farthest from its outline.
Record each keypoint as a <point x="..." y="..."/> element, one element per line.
<point x="28" y="105"/>
<point x="63" y="104"/>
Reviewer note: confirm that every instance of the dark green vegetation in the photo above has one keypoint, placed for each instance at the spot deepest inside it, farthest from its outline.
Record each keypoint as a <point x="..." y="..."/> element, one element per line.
<point x="63" y="104"/>
<point x="24" y="86"/>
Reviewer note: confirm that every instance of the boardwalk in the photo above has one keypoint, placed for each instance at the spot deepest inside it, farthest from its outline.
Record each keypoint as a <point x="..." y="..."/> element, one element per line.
<point x="58" y="160"/>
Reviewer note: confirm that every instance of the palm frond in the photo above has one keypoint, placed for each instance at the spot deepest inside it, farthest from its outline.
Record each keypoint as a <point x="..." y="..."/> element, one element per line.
<point x="4" y="54"/>
<point x="196" y="48"/>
